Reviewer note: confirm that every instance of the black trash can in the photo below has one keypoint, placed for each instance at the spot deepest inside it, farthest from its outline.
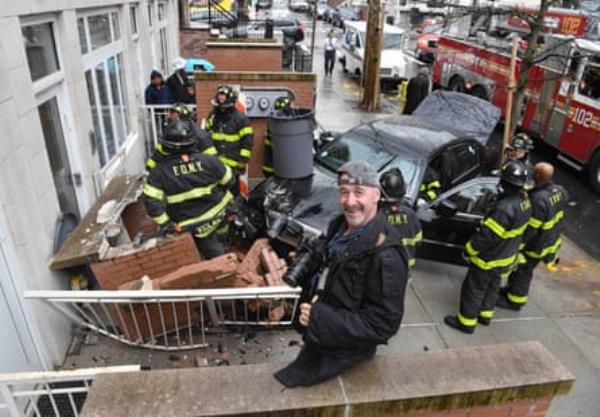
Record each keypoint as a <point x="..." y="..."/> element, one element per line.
<point x="292" y="139"/>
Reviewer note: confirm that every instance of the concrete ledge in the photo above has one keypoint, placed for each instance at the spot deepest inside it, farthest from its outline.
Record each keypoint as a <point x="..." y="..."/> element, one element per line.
<point x="386" y="386"/>
<point x="261" y="76"/>
<point x="244" y="43"/>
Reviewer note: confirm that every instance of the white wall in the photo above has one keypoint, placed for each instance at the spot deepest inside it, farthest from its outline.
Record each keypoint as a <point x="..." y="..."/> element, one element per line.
<point x="28" y="198"/>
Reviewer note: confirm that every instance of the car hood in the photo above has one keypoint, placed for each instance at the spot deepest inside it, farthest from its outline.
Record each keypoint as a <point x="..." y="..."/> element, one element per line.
<point x="311" y="201"/>
<point x="466" y="114"/>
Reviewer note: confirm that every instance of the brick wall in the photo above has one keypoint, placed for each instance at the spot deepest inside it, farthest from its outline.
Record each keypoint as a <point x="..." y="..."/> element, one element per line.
<point x="170" y="255"/>
<point x="245" y="57"/>
<point x="192" y="42"/>
<point x="136" y="219"/>
<point x="303" y="86"/>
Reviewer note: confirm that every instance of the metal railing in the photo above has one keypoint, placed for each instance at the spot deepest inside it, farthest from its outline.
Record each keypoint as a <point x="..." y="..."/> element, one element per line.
<point x="154" y="119"/>
<point x="172" y="319"/>
<point x="50" y="394"/>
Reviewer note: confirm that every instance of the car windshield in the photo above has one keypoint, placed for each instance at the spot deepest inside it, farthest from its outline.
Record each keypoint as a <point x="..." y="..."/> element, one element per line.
<point x="392" y="40"/>
<point x="355" y="148"/>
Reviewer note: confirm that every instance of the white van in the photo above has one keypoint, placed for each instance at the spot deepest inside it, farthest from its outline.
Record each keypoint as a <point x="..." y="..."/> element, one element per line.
<point x="396" y="65"/>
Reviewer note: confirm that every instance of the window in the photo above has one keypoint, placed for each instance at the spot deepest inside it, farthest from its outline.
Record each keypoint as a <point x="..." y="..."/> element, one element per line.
<point x="476" y="198"/>
<point x="133" y="15"/>
<point x="161" y="12"/>
<point x="150" y="12"/>
<point x="41" y="51"/>
<point x="459" y="163"/>
<point x="105" y="80"/>
<point x="590" y="81"/>
<point x="82" y="38"/>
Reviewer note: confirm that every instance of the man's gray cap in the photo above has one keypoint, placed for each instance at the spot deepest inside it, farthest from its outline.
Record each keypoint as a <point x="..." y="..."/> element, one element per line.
<point x="359" y="173"/>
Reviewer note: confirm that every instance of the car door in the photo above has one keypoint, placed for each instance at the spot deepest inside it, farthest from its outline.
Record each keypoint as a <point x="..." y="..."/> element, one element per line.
<point x="449" y="221"/>
<point x="460" y="162"/>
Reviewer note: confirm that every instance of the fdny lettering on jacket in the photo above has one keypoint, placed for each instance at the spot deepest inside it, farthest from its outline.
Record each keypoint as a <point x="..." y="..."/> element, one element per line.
<point x="187" y="168"/>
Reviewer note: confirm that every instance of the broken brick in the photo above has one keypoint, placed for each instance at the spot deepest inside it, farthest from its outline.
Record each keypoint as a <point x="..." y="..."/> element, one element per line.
<point x="215" y="273"/>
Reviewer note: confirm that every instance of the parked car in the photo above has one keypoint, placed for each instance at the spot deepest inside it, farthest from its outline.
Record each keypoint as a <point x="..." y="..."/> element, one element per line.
<point x="299" y="6"/>
<point x="396" y="65"/>
<point x="343" y="14"/>
<point x="328" y="14"/>
<point x="448" y="132"/>
<point x="288" y="27"/>
<point x="264" y="4"/>
<point x="323" y="9"/>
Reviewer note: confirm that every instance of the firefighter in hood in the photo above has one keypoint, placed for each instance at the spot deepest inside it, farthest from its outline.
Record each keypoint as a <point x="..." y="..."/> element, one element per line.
<point x="399" y="214"/>
<point x="362" y="301"/>
<point x="518" y="149"/>
<point x="284" y="106"/>
<point x="542" y="239"/>
<point x="187" y="190"/>
<point x="179" y="111"/>
<point x="230" y="131"/>
<point x="492" y="251"/>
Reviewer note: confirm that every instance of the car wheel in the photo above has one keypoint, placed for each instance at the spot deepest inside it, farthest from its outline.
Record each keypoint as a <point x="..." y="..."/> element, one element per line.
<point x="594" y="172"/>
<point x="457" y="84"/>
<point x="343" y="62"/>
<point x="479" y="92"/>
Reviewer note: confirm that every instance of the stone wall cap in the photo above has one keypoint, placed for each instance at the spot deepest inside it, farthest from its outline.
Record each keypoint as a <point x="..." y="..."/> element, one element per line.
<point x="387" y="385"/>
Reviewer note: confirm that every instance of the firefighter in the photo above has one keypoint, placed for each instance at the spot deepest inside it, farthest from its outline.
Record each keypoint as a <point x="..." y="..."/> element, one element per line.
<point x="283" y="105"/>
<point x="542" y="239"/>
<point x="230" y="132"/>
<point x="518" y="149"/>
<point x="179" y="111"/>
<point x="187" y="190"/>
<point x="431" y="185"/>
<point x="399" y="214"/>
<point x="493" y="250"/>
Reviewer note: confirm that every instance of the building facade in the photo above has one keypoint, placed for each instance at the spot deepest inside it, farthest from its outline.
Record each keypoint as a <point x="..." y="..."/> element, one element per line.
<point x="74" y="75"/>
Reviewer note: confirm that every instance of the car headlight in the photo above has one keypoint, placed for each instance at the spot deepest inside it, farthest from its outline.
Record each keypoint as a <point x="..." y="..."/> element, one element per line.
<point x="396" y="71"/>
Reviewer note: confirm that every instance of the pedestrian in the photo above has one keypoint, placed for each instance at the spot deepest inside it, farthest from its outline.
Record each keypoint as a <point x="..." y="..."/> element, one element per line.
<point x="191" y="90"/>
<point x="362" y="301"/>
<point x="187" y="190"/>
<point x="157" y="91"/>
<point x="284" y="106"/>
<point x="330" y="47"/>
<point x="417" y="89"/>
<point x="178" y="82"/>
<point x="230" y="132"/>
<point x="542" y="239"/>
<point x="493" y="250"/>
<point x="518" y="149"/>
<point x="399" y="214"/>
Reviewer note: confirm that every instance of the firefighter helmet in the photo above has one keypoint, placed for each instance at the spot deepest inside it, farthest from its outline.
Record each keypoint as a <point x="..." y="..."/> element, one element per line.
<point x="178" y="136"/>
<point x="392" y="185"/>
<point x="521" y="142"/>
<point x="230" y="97"/>
<point x="514" y="172"/>
<point x="182" y="110"/>
<point x="283" y="103"/>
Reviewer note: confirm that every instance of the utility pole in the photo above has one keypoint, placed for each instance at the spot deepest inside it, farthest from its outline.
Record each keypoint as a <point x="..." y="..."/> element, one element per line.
<point x="370" y="99"/>
<point x="314" y="30"/>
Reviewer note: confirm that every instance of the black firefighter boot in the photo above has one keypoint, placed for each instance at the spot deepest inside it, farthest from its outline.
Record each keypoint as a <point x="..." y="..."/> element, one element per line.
<point x="453" y="322"/>
<point x="504" y="302"/>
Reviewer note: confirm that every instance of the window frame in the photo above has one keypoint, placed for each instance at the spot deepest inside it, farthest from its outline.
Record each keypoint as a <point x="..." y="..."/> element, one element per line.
<point x="55" y="77"/>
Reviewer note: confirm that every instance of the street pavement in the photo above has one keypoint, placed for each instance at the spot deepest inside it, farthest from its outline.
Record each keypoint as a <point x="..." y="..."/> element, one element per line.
<point x="563" y="312"/>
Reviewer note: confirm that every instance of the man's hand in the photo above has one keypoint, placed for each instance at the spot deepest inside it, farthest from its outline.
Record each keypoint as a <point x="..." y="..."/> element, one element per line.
<point x="305" y="311"/>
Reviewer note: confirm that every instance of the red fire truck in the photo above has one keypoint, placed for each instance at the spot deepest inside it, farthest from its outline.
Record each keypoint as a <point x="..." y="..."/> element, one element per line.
<point x="557" y="20"/>
<point x="562" y="100"/>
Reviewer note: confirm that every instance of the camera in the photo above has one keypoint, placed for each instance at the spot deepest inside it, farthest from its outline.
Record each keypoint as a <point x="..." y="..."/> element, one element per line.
<point x="311" y="257"/>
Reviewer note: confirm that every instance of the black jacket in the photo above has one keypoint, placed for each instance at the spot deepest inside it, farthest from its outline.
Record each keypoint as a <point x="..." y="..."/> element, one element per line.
<point x="542" y="239"/>
<point x="360" y="307"/>
<point x="405" y="221"/>
<point x="495" y="245"/>
<point x="232" y="136"/>
<point x="203" y="144"/>
<point x="178" y="84"/>
<point x="188" y="189"/>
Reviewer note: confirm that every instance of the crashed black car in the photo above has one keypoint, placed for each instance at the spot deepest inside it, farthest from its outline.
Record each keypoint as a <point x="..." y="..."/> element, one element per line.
<point x="448" y="132"/>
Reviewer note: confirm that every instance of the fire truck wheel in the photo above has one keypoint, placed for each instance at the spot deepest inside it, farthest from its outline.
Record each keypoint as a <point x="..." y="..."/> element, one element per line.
<point x="594" y="172"/>
<point x="457" y="84"/>
<point x="479" y="92"/>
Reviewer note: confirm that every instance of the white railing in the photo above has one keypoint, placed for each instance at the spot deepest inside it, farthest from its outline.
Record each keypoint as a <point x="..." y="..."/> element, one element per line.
<point x="153" y="119"/>
<point x="172" y="319"/>
<point x="54" y="393"/>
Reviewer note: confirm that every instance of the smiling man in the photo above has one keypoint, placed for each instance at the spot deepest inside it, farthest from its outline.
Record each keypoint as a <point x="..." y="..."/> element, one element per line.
<point x="362" y="300"/>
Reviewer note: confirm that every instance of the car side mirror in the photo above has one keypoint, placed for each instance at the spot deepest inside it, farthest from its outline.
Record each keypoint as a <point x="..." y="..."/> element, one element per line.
<point x="446" y="208"/>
